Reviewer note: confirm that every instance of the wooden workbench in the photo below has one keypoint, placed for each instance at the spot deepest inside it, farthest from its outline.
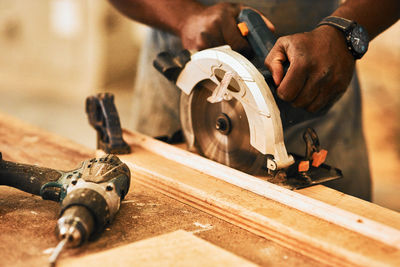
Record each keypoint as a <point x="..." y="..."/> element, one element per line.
<point x="27" y="222"/>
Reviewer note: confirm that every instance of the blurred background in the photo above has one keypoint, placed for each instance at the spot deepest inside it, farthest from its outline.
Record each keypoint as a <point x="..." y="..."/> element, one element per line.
<point x="54" y="53"/>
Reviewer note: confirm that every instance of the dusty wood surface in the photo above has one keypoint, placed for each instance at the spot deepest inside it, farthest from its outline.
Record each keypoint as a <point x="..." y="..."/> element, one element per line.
<point x="325" y="240"/>
<point x="27" y="222"/>
<point x="179" y="248"/>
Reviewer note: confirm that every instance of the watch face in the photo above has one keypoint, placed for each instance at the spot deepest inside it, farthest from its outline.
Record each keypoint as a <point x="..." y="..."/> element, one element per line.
<point x="359" y="39"/>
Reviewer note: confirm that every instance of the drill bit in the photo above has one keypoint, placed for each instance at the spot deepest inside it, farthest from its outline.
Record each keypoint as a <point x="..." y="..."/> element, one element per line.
<point x="57" y="250"/>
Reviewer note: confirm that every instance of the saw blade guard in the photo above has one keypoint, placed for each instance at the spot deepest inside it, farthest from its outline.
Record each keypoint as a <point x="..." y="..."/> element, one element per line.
<point x="237" y="78"/>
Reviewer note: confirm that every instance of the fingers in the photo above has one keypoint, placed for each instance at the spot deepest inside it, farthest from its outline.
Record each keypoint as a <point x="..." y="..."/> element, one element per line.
<point x="323" y="90"/>
<point x="231" y="33"/>
<point x="214" y="27"/>
<point x="294" y="81"/>
<point x="232" y="36"/>
<point x="327" y="97"/>
<point x="320" y="101"/>
<point x="320" y="69"/>
<point x="311" y="90"/>
<point x="208" y="39"/>
<point x="275" y="59"/>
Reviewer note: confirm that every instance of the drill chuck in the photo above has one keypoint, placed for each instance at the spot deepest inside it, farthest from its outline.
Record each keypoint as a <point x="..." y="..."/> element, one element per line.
<point x="75" y="225"/>
<point x="93" y="196"/>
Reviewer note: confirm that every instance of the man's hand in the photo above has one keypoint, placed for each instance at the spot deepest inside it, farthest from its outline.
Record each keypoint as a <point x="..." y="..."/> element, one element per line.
<point x="214" y="26"/>
<point x="320" y="69"/>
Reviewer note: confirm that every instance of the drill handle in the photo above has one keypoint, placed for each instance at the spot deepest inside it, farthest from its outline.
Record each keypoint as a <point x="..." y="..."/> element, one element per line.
<point x="28" y="178"/>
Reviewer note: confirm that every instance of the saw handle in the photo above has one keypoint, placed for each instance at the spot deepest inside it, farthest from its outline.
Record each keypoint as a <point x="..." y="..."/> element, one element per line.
<point x="261" y="39"/>
<point x="259" y="36"/>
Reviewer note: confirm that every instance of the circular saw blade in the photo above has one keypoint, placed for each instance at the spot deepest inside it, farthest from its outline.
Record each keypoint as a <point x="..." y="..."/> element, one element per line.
<point x="221" y="131"/>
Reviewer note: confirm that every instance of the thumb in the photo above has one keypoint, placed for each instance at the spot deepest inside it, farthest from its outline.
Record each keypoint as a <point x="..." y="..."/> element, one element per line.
<point x="274" y="62"/>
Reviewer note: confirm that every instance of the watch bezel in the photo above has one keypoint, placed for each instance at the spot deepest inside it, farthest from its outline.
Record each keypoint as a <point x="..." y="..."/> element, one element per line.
<point x="350" y="38"/>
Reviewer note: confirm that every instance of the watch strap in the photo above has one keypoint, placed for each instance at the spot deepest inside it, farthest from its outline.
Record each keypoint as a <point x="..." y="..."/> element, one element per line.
<point x="346" y="26"/>
<point x="340" y="23"/>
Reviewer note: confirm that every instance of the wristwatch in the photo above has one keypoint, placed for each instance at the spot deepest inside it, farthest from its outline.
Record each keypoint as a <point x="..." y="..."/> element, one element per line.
<point x="356" y="35"/>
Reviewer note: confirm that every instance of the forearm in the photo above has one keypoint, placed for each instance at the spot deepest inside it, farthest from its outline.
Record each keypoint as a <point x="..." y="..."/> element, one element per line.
<point x="168" y="15"/>
<point x="375" y="15"/>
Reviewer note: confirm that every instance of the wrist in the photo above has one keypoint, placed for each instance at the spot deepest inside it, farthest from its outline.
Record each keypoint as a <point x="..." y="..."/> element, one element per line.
<point x="334" y="37"/>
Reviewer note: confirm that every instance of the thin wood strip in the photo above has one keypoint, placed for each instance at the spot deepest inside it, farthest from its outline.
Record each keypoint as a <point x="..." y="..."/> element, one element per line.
<point x="352" y="204"/>
<point x="348" y="220"/>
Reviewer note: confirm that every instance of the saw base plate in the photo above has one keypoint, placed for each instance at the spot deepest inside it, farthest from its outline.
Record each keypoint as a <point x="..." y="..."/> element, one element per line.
<point x="291" y="179"/>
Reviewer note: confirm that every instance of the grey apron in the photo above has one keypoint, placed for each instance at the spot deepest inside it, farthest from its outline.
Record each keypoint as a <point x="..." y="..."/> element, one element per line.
<point x="156" y="100"/>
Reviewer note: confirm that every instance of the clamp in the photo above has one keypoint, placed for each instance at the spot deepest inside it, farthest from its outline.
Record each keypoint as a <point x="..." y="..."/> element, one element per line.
<point x="103" y="116"/>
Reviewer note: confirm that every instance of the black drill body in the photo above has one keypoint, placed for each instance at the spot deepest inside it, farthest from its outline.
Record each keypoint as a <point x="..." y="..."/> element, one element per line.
<point x="90" y="195"/>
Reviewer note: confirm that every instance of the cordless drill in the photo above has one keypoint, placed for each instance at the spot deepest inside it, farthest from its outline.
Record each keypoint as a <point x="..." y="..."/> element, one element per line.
<point x="90" y="195"/>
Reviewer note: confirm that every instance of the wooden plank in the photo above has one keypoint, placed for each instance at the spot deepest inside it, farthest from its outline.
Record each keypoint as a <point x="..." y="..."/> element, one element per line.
<point x="293" y="220"/>
<point x="292" y="199"/>
<point x="346" y="202"/>
<point x="27" y="222"/>
<point x="178" y="248"/>
<point x="25" y="143"/>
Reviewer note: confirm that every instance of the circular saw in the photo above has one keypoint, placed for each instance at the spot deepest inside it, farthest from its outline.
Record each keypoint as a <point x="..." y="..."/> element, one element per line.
<point x="229" y="114"/>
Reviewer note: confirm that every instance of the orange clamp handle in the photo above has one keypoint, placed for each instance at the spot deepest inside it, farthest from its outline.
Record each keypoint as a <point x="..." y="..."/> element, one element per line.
<point x="319" y="157"/>
<point x="304" y="166"/>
